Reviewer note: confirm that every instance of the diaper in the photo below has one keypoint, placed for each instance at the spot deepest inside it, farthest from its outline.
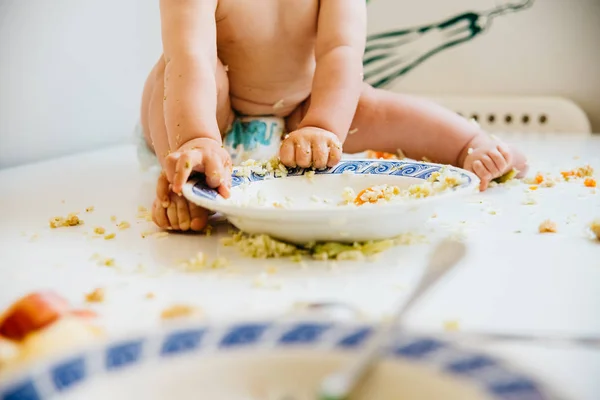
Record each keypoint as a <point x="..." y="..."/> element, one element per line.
<point x="256" y="138"/>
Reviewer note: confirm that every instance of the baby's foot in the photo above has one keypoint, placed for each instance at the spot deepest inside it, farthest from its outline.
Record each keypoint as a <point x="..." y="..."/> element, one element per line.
<point x="489" y="158"/>
<point x="174" y="212"/>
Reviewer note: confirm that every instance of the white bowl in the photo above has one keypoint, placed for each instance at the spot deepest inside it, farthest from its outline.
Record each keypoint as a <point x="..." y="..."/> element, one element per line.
<point x="266" y="361"/>
<point x="307" y="220"/>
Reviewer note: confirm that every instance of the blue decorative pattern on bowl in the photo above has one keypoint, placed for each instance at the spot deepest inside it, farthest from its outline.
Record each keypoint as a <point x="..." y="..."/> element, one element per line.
<point x="497" y="380"/>
<point x="410" y="169"/>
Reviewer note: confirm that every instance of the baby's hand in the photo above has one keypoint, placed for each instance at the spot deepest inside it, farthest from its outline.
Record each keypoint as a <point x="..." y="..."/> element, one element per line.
<point x="311" y="147"/>
<point x="488" y="159"/>
<point x="201" y="155"/>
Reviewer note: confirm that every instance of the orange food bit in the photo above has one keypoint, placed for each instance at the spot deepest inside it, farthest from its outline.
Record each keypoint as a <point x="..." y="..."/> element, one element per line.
<point x="539" y="179"/>
<point x="590" y="182"/>
<point x="35" y="312"/>
<point x="567" y="174"/>
<point x="381" y="154"/>
<point x="358" y="200"/>
<point x="32" y="313"/>
<point x="533" y="187"/>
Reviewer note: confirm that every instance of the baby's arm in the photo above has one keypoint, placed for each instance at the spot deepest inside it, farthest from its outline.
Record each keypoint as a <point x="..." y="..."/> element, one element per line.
<point x="189" y="45"/>
<point x="337" y="84"/>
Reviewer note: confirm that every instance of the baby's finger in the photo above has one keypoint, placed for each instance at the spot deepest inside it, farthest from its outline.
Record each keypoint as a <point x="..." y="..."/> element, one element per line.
<point x="505" y="151"/>
<point x="499" y="160"/>
<point x="303" y="153"/>
<point x="159" y="215"/>
<point x="172" y="213"/>
<point x="490" y="166"/>
<point x="183" y="214"/>
<point x="162" y="190"/>
<point x="484" y="176"/>
<point x="320" y="154"/>
<point x="171" y="165"/>
<point x="287" y="153"/>
<point x="185" y="164"/>
<point x="199" y="217"/>
<point x="335" y="154"/>
<point x="214" y="171"/>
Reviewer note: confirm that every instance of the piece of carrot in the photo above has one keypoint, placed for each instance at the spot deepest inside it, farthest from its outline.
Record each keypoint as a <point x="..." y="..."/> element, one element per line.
<point x="32" y="313"/>
<point x="590" y="182"/>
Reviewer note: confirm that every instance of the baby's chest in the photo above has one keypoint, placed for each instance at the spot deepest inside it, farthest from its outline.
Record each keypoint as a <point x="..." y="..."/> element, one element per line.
<point x="266" y="22"/>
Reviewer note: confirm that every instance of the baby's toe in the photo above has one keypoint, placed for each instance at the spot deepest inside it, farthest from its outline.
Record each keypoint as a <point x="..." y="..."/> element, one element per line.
<point x="159" y="215"/>
<point x="183" y="214"/>
<point x="172" y="212"/>
<point x="199" y="217"/>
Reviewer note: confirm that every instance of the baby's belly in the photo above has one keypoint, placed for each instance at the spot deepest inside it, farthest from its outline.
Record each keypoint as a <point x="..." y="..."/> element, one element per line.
<point x="284" y="106"/>
<point x="262" y="95"/>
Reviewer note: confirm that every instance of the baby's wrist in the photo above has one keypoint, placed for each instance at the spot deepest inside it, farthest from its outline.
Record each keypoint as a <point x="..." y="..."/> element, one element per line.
<point x="200" y="141"/>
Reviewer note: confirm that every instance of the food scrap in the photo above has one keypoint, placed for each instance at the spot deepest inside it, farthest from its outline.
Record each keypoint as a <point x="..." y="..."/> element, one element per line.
<point x="99" y="230"/>
<point x="547" y="227"/>
<point x="70" y="220"/>
<point x="123" y="225"/>
<point x="580" y="172"/>
<point x="264" y="246"/>
<point x="35" y="312"/>
<point x="590" y="182"/>
<point x="374" y="194"/>
<point x="510" y="175"/>
<point x="110" y="236"/>
<point x="595" y="228"/>
<point x="249" y="167"/>
<point x="180" y="311"/>
<point x="381" y="155"/>
<point x="95" y="296"/>
<point x="89" y="209"/>
<point x="451" y="325"/>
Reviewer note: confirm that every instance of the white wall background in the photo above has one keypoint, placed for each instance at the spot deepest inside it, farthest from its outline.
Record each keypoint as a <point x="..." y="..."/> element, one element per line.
<point x="72" y="71"/>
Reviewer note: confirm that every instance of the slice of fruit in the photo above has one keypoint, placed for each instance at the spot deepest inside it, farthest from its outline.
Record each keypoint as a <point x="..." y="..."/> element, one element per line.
<point x="32" y="313"/>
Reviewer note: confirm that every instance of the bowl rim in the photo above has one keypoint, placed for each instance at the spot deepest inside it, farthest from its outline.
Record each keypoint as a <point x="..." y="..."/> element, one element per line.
<point x="195" y="185"/>
<point x="493" y="376"/>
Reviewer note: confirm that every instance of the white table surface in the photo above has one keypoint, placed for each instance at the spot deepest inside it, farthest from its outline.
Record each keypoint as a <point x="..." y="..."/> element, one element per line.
<point x="510" y="282"/>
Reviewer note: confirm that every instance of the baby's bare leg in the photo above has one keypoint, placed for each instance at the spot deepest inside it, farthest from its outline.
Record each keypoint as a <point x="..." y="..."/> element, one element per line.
<point x="171" y="211"/>
<point x="389" y="122"/>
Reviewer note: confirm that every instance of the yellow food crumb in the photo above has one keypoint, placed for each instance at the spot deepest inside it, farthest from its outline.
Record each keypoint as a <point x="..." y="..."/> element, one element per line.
<point x="595" y="228"/>
<point x="219" y="262"/>
<point x="271" y="270"/>
<point x="150" y="295"/>
<point x="374" y="194"/>
<point x="548" y="227"/>
<point x="89" y="209"/>
<point x="279" y="104"/>
<point x="113" y="218"/>
<point x="196" y="263"/>
<point x="70" y="220"/>
<point x="99" y="230"/>
<point x="95" y="296"/>
<point x="310" y="175"/>
<point x="123" y="225"/>
<point x="352" y="131"/>
<point x="179" y="311"/>
<point x="104" y="262"/>
<point x="110" y="236"/>
<point x="161" y="235"/>
<point x="451" y="325"/>
<point x="264" y="246"/>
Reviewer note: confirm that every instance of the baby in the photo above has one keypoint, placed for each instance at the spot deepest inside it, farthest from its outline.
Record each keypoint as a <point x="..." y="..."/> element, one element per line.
<point x="296" y="59"/>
